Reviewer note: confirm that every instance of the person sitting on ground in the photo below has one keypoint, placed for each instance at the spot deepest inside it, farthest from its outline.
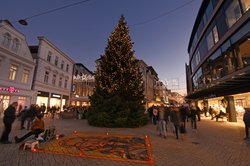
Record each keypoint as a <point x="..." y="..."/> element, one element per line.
<point x="37" y="128"/>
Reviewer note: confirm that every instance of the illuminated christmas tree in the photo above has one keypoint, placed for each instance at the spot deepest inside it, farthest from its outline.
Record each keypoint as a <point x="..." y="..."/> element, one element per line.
<point x="118" y="96"/>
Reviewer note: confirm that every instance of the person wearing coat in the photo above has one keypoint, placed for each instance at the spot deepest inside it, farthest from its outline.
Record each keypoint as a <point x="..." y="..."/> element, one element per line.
<point x="37" y="128"/>
<point x="246" y="119"/>
<point x="175" y="118"/>
<point x="8" y="119"/>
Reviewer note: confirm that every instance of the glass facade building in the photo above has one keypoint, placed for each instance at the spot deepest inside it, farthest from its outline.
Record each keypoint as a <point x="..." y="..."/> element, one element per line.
<point x="219" y="54"/>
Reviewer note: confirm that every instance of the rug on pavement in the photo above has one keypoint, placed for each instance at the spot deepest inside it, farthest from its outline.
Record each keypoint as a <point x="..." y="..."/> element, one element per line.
<point x="103" y="146"/>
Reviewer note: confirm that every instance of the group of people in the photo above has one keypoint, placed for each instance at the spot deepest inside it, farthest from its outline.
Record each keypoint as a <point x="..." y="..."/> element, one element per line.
<point x="173" y="116"/>
<point x="33" y="117"/>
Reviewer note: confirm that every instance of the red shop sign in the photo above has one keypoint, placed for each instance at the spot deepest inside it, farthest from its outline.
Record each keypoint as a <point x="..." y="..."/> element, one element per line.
<point x="10" y="89"/>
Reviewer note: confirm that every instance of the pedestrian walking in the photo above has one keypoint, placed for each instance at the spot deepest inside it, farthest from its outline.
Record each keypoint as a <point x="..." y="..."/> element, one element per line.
<point x="23" y="115"/>
<point x="175" y="118"/>
<point x="8" y="119"/>
<point x="183" y="112"/>
<point x="30" y="116"/>
<point x="246" y="119"/>
<point x="193" y="114"/>
<point x="162" y="122"/>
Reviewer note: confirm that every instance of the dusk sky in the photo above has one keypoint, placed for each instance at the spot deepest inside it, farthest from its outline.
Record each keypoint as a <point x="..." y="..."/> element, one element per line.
<point x="82" y="31"/>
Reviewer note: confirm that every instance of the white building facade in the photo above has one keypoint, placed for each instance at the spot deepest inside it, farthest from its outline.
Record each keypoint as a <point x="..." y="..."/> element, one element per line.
<point x="16" y="67"/>
<point x="53" y="74"/>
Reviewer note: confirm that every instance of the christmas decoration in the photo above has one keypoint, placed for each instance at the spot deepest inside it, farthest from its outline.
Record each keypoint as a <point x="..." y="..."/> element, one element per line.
<point x="118" y="99"/>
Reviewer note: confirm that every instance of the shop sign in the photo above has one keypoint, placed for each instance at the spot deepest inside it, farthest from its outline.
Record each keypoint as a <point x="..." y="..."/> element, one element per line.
<point x="10" y="89"/>
<point x="44" y="94"/>
<point x="84" y="77"/>
<point x="55" y="95"/>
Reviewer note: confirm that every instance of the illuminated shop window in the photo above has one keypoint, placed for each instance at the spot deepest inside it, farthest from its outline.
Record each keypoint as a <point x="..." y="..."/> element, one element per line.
<point x="13" y="72"/>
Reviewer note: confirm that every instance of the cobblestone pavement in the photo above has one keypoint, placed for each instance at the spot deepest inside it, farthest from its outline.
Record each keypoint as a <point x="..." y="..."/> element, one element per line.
<point x="215" y="143"/>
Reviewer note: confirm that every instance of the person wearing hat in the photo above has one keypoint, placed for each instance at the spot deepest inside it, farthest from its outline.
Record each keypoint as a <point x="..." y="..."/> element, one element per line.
<point x="246" y="119"/>
<point x="37" y="128"/>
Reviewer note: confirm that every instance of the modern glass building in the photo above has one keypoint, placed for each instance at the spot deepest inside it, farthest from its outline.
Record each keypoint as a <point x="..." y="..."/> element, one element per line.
<point x="218" y="72"/>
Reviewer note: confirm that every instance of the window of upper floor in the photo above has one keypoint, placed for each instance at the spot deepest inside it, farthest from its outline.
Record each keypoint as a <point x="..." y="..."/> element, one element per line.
<point x="15" y="45"/>
<point x="65" y="83"/>
<point x="49" y="56"/>
<point x="245" y="5"/>
<point x="62" y="64"/>
<point x="46" y="77"/>
<point x="6" y="40"/>
<point x="13" y="72"/>
<point x="60" y="82"/>
<point x="232" y="12"/>
<point x="56" y="60"/>
<point x="25" y="76"/>
<point x="67" y="67"/>
<point x="54" y="79"/>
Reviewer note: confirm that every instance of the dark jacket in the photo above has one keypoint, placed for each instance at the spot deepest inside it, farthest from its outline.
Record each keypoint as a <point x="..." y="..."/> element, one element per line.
<point x="9" y="114"/>
<point x="246" y="116"/>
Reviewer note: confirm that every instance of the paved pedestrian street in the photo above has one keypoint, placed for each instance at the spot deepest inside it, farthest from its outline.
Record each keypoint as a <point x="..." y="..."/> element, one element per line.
<point x="215" y="143"/>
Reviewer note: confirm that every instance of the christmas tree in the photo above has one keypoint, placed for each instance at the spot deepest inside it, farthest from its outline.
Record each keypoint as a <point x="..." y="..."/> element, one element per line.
<point x="118" y="99"/>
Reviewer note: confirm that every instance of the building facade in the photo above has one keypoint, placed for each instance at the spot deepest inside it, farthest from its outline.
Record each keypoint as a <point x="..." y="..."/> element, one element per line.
<point x="150" y="78"/>
<point x="16" y="67"/>
<point x="53" y="74"/>
<point x="82" y="86"/>
<point x="218" y="72"/>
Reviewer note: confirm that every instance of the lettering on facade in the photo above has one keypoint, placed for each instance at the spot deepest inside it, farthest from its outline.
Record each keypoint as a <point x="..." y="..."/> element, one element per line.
<point x="84" y="77"/>
<point x="10" y="89"/>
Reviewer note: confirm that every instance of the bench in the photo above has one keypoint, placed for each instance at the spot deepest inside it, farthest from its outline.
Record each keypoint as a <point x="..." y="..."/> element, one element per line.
<point x="221" y="115"/>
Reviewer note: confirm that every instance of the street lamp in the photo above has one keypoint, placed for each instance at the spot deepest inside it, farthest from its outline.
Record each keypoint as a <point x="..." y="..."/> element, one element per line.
<point x="23" y="22"/>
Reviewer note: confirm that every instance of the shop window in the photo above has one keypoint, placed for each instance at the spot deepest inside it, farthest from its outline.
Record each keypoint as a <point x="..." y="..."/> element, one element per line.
<point x="233" y="13"/>
<point x="245" y="5"/>
<point x="46" y="77"/>
<point x="15" y="45"/>
<point x="13" y="72"/>
<point x="25" y="76"/>
<point x="6" y="40"/>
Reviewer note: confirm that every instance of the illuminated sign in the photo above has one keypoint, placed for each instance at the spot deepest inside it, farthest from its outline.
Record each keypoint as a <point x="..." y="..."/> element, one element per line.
<point x="84" y="77"/>
<point x="55" y="95"/>
<point x="10" y="89"/>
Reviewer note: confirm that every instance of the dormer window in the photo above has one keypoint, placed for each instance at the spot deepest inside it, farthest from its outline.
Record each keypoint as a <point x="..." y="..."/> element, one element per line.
<point x="15" y="45"/>
<point x="6" y="39"/>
